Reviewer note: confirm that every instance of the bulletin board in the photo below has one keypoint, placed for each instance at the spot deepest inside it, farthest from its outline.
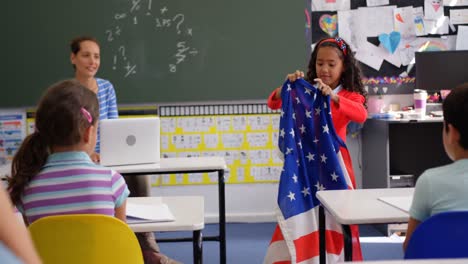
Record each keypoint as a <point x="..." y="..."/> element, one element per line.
<point x="405" y="27"/>
<point x="12" y="133"/>
<point x="244" y="134"/>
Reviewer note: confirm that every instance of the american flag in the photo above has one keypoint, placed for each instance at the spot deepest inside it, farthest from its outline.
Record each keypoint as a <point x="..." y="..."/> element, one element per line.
<point x="312" y="162"/>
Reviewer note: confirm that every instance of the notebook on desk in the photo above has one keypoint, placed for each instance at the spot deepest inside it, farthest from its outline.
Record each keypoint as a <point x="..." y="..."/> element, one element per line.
<point x="130" y="141"/>
<point x="142" y="213"/>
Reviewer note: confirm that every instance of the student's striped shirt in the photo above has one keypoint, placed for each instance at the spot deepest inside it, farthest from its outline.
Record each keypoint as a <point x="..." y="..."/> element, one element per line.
<point x="70" y="183"/>
<point x="107" y="104"/>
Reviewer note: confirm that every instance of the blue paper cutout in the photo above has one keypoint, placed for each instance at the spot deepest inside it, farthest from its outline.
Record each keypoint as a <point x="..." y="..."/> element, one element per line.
<point x="390" y="41"/>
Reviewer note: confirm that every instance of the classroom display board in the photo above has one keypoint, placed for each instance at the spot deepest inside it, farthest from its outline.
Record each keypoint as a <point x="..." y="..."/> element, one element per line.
<point x="12" y="132"/>
<point x="386" y="34"/>
<point x="246" y="135"/>
<point x="155" y="51"/>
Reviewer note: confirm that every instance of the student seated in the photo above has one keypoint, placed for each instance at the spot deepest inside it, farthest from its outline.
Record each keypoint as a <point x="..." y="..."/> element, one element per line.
<point x="445" y="188"/>
<point x="52" y="172"/>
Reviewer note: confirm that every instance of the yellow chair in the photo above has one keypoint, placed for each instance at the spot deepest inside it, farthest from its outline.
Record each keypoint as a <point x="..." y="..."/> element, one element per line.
<point x="85" y="238"/>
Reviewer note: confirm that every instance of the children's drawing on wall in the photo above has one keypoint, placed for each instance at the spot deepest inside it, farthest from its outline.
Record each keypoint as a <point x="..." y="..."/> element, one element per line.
<point x="324" y="25"/>
<point x="12" y="132"/>
<point x="434" y="9"/>
<point x="327" y="5"/>
<point x="386" y="33"/>
<point x="328" y="23"/>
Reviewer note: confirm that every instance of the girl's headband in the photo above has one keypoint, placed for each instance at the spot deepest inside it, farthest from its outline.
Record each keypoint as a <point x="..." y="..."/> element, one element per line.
<point x="339" y="42"/>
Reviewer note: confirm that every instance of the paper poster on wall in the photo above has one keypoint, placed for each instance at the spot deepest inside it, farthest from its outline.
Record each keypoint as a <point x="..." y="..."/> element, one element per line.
<point x="462" y="38"/>
<point x="12" y="133"/>
<point x="324" y="25"/>
<point x="439" y="26"/>
<point x="345" y="32"/>
<point x="377" y="2"/>
<point x="418" y="14"/>
<point x="404" y="21"/>
<point x="330" y="5"/>
<point x="433" y="9"/>
<point x="459" y="16"/>
<point x="455" y="2"/>
<point x="246" y="141"/>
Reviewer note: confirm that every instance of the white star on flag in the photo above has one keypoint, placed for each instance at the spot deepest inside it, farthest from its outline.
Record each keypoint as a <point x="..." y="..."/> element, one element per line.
<point x="325" y="128"/>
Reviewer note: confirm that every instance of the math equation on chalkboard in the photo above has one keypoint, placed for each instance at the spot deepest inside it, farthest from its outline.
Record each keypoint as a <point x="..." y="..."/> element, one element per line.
<point x="144" y="30"/>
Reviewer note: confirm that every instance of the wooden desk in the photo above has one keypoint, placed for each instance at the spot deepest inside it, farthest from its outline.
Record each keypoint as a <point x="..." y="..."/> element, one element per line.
<point x="189" y="213"/>
<point x="190" y="165"/>
<point x="353" y="207"/>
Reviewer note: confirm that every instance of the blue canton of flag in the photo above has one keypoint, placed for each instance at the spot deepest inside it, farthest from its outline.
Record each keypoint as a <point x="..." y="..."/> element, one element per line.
<point x="312" y="162"/>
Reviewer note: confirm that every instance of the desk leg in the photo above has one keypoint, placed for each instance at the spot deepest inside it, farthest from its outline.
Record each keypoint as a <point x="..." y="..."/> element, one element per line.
<point x="348" y="243"/>
<point x="322" y="242"/>
<point x="222" y="217"/>
<point x="197" y="247"/>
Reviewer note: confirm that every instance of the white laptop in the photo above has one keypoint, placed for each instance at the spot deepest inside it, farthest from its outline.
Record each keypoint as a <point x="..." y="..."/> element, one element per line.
<point x="130" y="141"/>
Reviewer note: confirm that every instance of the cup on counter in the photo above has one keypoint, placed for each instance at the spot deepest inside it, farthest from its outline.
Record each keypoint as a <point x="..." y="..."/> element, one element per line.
<point x="420" y="99"/>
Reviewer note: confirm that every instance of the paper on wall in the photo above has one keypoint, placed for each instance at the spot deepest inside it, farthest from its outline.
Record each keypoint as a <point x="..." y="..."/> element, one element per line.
<point x="459" y="16"/>
<point x="455" y="2"/>
<point x="462" y="38"/>
<point x="439" y="26"/>
<point x="404" y="22"/>
<point x="377" y="2"/>
<point x="375" y="20"/>
<point x="369" y="55"/>
<point x="346" y="22"/>
<point x="391" y="58"/>
<point x="330" y="5"/>
<point x="418" y="15"/>
<point x="406" y="52"/>
<point x="434" y="9"/>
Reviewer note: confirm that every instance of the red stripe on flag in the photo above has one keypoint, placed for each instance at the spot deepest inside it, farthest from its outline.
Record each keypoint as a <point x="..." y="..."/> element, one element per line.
<point x="277" y="235"/>
<point x="282" y="262"/>
<point x="334" y="241"/>
<point x="307" y="246"/>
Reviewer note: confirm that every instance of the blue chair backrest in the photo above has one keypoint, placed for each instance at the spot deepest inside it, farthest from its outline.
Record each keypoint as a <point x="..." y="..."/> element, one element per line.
<point x="443" y="235"/>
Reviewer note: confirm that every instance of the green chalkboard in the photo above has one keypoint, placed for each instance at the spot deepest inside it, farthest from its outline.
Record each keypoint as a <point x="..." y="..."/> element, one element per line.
<point x="155" y="51"/>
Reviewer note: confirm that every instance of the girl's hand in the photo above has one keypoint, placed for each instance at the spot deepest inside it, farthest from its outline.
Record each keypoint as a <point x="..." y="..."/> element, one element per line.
<point x="292" y="77"/>
<point x="326" y="90"/>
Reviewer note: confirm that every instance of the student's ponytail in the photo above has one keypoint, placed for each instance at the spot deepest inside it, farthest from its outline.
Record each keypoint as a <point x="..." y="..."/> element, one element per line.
<point x="28" y="161"/>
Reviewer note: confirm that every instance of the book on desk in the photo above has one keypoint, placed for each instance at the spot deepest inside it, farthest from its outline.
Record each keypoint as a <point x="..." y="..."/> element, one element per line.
<point x="142" y="213"/>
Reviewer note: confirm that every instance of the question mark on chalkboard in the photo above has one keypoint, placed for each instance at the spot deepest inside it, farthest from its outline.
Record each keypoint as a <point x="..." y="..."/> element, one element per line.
<point x="122" y="50"/>
<point x="181" y="20"/>
<point x="115" y="62"/>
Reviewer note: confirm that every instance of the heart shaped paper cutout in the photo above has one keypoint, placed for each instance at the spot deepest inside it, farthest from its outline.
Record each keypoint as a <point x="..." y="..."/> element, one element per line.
<point x="390" y="41"/>
<point x="328" y="24"/>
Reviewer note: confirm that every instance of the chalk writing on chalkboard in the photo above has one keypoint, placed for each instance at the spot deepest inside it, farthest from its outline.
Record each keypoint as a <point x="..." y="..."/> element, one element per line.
<point x="159" y="20"/>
